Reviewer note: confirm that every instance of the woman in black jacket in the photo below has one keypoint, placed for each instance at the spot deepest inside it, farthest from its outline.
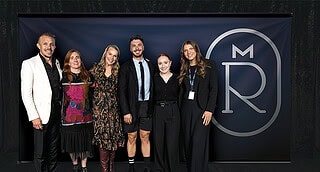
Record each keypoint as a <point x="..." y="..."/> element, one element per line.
<point x="198" y="96"/>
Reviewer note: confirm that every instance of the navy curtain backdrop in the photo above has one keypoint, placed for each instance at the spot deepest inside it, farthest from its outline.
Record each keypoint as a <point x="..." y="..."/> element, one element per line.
<point x="252" y="53"/>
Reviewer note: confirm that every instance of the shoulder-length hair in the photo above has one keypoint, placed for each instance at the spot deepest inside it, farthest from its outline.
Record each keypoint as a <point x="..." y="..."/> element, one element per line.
<point x="185" y="63"/>
<point x="84" y="75"/>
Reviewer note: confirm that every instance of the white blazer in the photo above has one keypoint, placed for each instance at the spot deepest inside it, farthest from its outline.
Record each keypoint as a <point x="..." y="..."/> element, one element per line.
<point x="36" y="91"/>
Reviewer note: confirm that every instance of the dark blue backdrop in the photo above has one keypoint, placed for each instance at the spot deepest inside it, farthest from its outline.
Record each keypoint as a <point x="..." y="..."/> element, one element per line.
<point x="252" y="53"/>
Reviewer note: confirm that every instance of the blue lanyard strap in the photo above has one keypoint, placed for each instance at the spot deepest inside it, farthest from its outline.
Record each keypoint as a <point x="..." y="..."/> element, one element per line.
<point x="191" y="78"/>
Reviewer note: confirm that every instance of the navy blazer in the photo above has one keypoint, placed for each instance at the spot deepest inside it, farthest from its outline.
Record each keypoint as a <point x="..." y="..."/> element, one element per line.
<point x="128" y="89"/>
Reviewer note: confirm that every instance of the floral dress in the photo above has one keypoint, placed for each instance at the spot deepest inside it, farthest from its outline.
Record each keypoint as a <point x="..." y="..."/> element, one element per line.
<point x="106" y="113"/>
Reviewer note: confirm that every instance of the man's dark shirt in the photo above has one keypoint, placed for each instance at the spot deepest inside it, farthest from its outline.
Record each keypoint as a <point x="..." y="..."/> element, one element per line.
<point x="54" y="79"/>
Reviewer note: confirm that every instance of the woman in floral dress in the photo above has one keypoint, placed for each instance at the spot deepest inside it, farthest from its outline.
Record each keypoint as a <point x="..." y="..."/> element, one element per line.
<point x="108" y="135"/>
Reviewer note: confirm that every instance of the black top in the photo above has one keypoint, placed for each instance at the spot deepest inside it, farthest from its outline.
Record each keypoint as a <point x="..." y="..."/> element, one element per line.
<point x="54" y="79"/>
<point x="205" y="88"/>
<point x="166" y="91"/>
<point x="75" y="78"/>
<point x="192" y="70"/>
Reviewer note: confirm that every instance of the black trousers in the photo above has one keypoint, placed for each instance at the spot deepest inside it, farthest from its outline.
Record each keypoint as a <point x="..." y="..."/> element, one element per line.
<point x="47" y="143"/>
<point x="166" y="128"/>
<point x="195" y="136"/>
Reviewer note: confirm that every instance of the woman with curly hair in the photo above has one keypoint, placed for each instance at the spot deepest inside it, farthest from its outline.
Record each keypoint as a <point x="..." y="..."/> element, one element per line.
<point x="198" y="94"/>
<point x="108" y="135"/>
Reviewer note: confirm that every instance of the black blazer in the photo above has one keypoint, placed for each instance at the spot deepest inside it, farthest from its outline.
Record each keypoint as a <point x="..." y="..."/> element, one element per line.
<point x="207" y="88"/>
<point x="128" y="89"/>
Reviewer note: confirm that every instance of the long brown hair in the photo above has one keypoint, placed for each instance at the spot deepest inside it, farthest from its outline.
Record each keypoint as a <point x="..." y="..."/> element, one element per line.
<point x="84" y="75"/>
<point x="99" y="69"/>
<point x="185" y="63"/>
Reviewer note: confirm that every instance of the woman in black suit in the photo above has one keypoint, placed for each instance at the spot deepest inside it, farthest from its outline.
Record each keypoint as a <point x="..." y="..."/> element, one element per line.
<point x="198" y="96"/>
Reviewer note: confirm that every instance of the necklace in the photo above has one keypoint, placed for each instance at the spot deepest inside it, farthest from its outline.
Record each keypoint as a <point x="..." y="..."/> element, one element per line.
<point x="47" y="59"/>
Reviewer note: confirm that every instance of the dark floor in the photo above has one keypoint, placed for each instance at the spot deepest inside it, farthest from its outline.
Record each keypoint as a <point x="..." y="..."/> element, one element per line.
<point x="9" y="163"/>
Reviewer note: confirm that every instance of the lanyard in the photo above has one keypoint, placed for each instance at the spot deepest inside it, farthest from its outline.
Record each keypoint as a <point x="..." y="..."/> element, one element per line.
<point x="191" y="78"/>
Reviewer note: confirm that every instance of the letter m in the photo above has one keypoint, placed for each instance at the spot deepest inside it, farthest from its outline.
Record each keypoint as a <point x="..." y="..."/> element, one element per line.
<point x="236" y="50"/>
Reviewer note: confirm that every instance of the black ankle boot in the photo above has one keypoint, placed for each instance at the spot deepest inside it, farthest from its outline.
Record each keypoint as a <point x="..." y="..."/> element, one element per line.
<point x="76" y="168"/>
<point x="84" y="169"/>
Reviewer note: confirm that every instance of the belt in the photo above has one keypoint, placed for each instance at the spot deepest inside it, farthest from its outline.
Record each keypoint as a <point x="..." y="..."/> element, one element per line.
<point x="165" y="103"/>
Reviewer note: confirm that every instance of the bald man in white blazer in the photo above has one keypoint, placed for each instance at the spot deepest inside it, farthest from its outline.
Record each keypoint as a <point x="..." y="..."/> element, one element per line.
<point x="40" y="87"/>
<point x="35" y="89"/>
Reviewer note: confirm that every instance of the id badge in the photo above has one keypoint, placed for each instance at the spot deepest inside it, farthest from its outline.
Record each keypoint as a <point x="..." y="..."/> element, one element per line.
<point x="191" y="95"/>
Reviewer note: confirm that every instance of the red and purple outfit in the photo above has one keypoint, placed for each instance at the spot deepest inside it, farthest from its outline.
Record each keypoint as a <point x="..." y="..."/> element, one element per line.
<point x="76" y="117"/>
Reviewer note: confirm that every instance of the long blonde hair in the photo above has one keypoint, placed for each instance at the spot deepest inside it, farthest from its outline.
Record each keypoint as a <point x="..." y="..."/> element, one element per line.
<point x="185" y="63"/>
<point x="99" y="69"/>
